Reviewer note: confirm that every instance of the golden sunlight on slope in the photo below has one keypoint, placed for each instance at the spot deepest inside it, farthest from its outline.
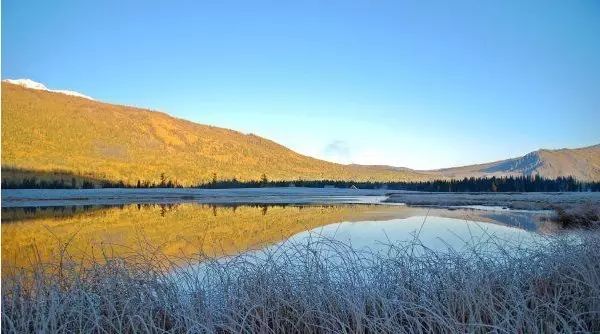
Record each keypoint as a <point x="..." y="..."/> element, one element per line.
<point x="45" y="132"/>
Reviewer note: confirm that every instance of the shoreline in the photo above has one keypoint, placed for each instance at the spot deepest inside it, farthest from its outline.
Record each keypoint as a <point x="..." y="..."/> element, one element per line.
<point x="514" y="201"/>
<point x="122" y="196"/>
<point x="14" y="198"/>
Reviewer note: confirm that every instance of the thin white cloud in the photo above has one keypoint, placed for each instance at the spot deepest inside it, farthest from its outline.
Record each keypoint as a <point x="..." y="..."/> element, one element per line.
<point x="338" y="151"/>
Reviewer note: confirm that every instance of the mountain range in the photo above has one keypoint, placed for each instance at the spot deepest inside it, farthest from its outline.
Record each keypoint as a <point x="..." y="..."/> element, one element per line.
<point x="48" y="132"/>
<point x="581" y="163"/>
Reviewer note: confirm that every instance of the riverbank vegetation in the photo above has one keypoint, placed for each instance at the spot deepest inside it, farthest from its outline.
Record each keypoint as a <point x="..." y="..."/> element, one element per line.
<point x="322" y="286"/>
<point x="20" y="179"/>
<point x="582" y="216"/>
<point x="494" y="184"/>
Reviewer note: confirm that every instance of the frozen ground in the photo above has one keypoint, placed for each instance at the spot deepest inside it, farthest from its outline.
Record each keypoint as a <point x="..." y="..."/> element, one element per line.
<point x="288" y="195"/>
<point x="523" y="201"/>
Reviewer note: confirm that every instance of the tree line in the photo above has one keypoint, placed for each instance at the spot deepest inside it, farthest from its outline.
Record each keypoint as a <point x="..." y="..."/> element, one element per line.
<point x="493" y="184"/>
<point x="72" y="183"/>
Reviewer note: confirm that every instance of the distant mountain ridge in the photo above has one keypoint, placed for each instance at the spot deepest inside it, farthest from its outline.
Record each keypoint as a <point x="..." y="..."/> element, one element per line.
<point x="581" y="163"/>
<point x="49" y="133"/>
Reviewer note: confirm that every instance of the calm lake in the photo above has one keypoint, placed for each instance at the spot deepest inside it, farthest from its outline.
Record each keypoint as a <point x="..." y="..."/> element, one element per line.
<point x="182" y="230"/>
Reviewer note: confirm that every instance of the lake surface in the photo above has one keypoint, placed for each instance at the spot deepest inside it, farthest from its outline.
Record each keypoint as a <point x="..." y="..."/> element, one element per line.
<point x="183" y="230"/>
<point x="286" y="195"/>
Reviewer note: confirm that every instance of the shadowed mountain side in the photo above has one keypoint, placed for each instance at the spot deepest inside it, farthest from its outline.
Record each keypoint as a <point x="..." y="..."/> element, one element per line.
<point x="14" y="178"/>
<point x="48" y="131"/>
<point x="581" y="163"/>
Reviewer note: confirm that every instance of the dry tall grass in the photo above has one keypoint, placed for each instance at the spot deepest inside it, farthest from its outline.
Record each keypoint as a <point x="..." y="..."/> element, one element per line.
<point x="322" y="286"/>
<point x="578" y="216"/>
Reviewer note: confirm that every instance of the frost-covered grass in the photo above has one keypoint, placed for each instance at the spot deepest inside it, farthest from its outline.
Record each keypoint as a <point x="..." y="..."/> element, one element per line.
<point x="581" y="216"/>
<point x="322" y="286"/>
<point x="521" y="201"/>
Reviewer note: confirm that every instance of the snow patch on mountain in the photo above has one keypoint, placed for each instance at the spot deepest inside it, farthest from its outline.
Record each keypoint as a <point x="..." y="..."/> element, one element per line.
<point x="28" y="83"/>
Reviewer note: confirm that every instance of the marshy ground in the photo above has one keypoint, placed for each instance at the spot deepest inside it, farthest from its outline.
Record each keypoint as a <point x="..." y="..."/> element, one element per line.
<point x="178" y="281"/>
<point x="321" y="286"/>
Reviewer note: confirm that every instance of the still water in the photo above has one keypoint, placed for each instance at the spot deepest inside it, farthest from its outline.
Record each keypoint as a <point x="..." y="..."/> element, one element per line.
<point x="182" y="231"/>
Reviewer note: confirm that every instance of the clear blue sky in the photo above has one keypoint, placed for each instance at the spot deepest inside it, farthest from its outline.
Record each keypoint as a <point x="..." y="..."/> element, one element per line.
<point x="422" y="84"/>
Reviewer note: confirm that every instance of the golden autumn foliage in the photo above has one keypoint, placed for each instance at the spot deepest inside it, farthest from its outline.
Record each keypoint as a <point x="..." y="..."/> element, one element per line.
<point x="174" y="230"/>
<point x="47" y="132"/>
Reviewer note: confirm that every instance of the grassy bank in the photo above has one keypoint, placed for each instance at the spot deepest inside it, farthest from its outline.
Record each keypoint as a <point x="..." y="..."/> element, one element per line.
<point x="320" y="287"/>
<point x="519" y="201"/>
<point x="580" y="216"/>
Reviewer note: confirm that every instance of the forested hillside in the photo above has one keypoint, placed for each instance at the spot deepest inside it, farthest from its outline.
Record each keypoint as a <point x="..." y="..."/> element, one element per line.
<point x="50" y="135"/>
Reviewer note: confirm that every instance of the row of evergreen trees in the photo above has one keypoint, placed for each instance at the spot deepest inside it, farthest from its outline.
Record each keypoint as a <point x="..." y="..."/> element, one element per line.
<point x="35" y="183"/>
<point x="40" y="183"/>
<point x="504" y="184"/>
<point x="494" y="184"/>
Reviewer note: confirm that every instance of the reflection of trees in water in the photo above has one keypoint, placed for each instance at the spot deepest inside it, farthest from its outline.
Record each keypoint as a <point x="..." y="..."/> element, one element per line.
<point x="176" y="229"/>
<point x="164" y="208"/>
<point x="27" y="213"/>
<point x="185" y="229"/>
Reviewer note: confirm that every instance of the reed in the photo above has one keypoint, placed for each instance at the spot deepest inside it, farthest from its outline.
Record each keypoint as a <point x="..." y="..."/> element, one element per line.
<point x="320" y="286"/>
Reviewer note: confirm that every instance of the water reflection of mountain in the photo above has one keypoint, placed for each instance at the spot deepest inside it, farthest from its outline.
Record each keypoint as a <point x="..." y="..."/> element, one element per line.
<point x="178" y="230"/>
<point x="183" y="230"/>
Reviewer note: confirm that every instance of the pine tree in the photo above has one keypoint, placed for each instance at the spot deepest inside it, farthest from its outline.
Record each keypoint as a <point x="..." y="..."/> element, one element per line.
<point x="264" y="180"/>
